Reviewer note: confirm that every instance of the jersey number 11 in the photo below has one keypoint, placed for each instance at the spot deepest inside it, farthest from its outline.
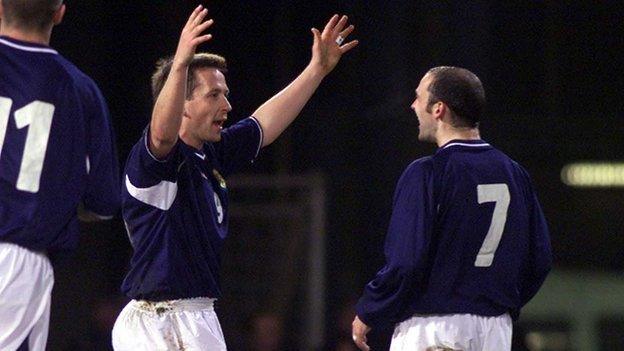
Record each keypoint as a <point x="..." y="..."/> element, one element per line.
<point x="38" y="116"/>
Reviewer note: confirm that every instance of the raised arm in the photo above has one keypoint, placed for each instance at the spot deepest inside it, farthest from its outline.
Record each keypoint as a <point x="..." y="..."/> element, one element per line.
<point x="169" y="106"/>
<point x="279" y="111"/>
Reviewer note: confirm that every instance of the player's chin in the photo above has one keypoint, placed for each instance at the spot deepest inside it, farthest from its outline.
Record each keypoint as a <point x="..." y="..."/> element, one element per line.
<point x="422" y="136"/>
<point x="214" y="137"/>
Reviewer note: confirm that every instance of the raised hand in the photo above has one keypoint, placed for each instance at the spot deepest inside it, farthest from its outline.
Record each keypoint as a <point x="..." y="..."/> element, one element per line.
<point x="192" y="36"/>
<point x="328" y="46"/>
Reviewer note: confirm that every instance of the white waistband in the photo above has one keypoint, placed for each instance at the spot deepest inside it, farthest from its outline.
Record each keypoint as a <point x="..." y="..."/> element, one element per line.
<point x="160" y="307"/>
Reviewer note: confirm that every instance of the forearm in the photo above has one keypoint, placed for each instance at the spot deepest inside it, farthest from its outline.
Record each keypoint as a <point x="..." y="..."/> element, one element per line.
<point x="279" y="111"/>
<point x="168" y="110"/>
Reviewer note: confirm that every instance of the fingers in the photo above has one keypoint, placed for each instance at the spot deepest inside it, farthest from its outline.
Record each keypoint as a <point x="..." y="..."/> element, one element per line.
<point x="359" y="331"/>
<point x="330" y="24"/>
<point x="196" y="23"/>
<point x="199" y="40"/>
<point x="317" y="35"/>
<point x="360" y="342"/>
<point x="194" y="14"/>
<point x="202" y="27"/>
<point x="200" y="17"/>
<point x="335" y="28"/>
<point x="192" y="35"/>
<point x="347" y="31"/>
<point x="340" y="25"/>
<point x="348" y="46"/>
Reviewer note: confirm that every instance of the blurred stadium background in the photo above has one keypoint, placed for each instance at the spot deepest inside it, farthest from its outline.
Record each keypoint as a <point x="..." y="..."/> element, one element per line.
<point x="309" y="217"/>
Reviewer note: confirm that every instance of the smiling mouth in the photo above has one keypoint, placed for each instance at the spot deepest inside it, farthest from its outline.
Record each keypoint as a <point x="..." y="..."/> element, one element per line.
<point x="219" y="124"/>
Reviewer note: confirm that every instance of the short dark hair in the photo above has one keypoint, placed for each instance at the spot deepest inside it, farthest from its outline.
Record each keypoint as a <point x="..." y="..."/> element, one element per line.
<point x="461" y="90"/>
<point x="200" y="60"/>
<point x="32" y="14"/>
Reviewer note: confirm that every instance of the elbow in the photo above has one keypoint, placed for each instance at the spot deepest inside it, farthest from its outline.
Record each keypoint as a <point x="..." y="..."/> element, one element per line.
<point x="161" y="137"/>
<point x="267" y="140"/>
<point x="160" y="147"/>
<point x="399" y="271"/>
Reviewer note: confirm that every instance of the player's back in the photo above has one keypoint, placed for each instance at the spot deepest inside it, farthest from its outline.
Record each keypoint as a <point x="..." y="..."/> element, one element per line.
<point x="483" y="234"/>
<point x="50" y="113"/>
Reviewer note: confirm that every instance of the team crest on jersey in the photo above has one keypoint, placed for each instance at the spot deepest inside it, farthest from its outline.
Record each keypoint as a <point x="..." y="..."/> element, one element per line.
<point x="219" y="178"/>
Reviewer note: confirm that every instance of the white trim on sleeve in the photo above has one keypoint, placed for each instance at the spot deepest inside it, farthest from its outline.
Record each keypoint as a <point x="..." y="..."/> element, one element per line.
<point x="160" y="195"/>
<point x="261" y="135"/>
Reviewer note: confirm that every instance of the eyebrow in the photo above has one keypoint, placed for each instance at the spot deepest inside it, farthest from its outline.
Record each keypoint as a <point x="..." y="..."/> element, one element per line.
<point x="225" y="92"/>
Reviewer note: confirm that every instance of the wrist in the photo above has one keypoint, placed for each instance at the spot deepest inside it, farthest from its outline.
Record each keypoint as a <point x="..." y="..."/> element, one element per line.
<point x="315" y="70"/>
<point x="178" y="65"/>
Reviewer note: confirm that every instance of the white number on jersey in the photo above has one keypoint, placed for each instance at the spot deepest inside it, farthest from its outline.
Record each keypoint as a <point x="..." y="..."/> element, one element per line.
<point x="38" y="116"/>
<point x="219" y="208"/>
<point x="499" y="194"/>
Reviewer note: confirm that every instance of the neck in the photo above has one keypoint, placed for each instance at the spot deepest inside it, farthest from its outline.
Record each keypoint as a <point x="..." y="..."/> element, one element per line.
<point x="28" y="36"/>
<point x="444" y="136"/>
<point x="190" y="141"/>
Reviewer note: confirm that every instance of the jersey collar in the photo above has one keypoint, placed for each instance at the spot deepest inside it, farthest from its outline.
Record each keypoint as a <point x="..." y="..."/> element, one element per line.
<point x="466" y="143"/>
<point x="26" y="46"/>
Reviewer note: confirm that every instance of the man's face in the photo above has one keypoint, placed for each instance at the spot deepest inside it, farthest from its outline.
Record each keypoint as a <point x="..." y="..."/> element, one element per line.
<point x="206" y="111"/>
<point x="427" y="125"/>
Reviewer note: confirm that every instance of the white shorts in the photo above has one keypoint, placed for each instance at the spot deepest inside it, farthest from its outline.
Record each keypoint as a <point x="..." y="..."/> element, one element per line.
<point x="465" y="332"/>
<point x="26" y="280"/>
<point x="188" y="324"/>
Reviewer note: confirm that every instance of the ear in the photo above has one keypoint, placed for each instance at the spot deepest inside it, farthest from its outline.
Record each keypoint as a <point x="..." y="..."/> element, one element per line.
<point x="439" y="109"/>
<point x="185" y="110"/>
<point x="58" y="15"/>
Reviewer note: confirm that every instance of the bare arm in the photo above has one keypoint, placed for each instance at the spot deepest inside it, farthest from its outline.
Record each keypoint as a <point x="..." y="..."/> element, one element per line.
<point x="280" y="110"/>
<point x="169" y="106"/>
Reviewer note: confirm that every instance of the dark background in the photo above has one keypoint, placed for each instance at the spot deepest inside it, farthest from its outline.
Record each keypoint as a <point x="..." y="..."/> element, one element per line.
<point x="553" y="78"/>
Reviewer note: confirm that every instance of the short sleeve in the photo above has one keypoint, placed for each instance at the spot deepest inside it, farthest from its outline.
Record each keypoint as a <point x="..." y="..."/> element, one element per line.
<point x="239" y="145"/>
<point x="144" y="169"/>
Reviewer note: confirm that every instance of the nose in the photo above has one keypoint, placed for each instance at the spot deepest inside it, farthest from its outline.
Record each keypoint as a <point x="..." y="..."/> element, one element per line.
<point x="227" y="105"/>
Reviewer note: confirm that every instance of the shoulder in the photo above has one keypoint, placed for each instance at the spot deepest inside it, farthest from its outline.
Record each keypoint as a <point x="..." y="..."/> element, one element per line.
<point x="419" y="169"/>
<point x="518" y="170"/>
<point x="80" y="80"/>
<point x="420" y="166"/>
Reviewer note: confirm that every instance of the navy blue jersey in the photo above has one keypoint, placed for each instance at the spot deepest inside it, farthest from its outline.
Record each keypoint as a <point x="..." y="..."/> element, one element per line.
<point x="56" y="148"/>
<point x="176" y="213"/>
<point x="467" y="235"/>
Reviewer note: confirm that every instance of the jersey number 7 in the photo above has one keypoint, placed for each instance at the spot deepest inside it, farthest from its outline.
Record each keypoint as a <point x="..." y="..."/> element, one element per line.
<point x="38" y="116"/>
<point x="499" y="194"/>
